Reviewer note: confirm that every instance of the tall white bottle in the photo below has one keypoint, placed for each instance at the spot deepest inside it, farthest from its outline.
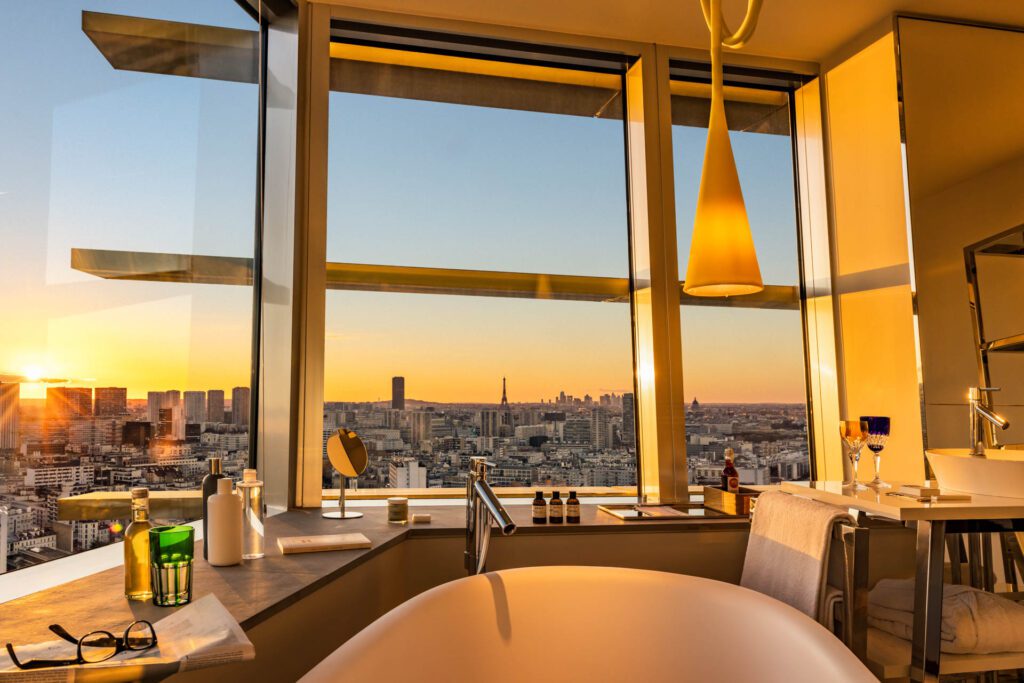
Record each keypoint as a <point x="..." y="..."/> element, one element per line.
<point x="224" y="527"/>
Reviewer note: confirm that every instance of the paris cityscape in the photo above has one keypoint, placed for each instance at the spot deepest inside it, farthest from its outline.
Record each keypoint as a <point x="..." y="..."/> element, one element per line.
<point x="80" y="439"/>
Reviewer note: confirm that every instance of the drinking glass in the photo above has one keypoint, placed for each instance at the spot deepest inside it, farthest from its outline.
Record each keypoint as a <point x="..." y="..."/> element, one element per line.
<point x="171" y="550"/>
<point x="854" y="434"/>
<point x="878" y="434"/>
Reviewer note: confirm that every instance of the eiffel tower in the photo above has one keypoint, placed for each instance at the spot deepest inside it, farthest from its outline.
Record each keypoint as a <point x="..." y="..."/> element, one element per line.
<point x="504" y="395"/>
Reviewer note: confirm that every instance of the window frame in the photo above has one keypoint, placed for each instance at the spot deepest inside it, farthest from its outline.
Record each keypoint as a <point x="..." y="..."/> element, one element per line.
<point x="654" y="278"/>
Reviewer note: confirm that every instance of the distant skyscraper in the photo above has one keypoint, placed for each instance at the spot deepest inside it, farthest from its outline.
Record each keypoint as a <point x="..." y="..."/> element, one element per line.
<point x="111" y="401"/>
<point x="195" y="407"/>
<point x="172" y="423"/>
<point x="422" y="427"/>
<point x="215" y="405"/>
<point x="398" y="393"/>
<point x="64" y="403"/>
<point x="490" y="423"/>
<point x="599" y="428"/>
<point x="628" y="421"/>
<point x="9" y="406"/>
<point x="240" y="405"/>
<point x="172" y="398"/>
<point x="154" y="402"/>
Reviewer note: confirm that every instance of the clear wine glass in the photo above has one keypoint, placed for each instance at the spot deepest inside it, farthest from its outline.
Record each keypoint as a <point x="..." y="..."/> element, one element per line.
<point x="878" y="434"/>
<point x="855" y="435"/>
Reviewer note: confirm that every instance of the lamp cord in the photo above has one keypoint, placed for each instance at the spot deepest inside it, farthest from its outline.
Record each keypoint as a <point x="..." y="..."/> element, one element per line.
<point x="730" y="39"/>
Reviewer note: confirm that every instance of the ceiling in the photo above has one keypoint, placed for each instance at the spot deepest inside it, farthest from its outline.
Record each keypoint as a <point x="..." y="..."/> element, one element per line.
<point x="809" y="30"/>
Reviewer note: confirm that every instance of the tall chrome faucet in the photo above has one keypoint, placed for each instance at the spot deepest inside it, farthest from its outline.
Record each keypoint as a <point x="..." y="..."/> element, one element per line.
<point x="978" y="410"/>
<point x="482" y="506"/>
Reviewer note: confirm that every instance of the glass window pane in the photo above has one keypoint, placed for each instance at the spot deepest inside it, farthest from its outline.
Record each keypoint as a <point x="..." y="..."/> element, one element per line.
<point x="482" y="204"/>
<point x="115" y="369"/>
<point x="743" y="365"/>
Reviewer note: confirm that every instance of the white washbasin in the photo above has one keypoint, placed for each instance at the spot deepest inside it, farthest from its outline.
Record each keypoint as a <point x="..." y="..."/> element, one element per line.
<point x="592" y="625"/>
<point x="999" y="473"/>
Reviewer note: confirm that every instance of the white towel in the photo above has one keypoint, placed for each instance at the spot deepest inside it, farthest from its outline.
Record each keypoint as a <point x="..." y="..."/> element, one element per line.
<point x="973" y="621"/>
<point x="787" y="553"/>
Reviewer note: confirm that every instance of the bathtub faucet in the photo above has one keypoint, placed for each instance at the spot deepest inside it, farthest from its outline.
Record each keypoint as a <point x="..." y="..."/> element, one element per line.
<point x="979" y="430"/>
<point x="482" y="506"/>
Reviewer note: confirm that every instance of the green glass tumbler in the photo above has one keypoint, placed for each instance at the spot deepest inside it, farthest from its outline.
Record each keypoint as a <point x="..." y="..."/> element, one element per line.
<point x="171" y="549"/>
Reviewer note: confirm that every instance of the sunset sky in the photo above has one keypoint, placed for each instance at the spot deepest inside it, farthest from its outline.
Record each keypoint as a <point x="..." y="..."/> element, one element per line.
<point x="100" y="158"/>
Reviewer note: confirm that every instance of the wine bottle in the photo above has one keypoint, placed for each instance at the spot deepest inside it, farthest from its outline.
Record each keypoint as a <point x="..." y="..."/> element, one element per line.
<point x="730" y="475"/>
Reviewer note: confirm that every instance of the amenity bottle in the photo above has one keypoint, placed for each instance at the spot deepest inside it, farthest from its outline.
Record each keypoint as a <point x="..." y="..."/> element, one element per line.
<point x="224" y="542"/>
<point x="540" y="508"/>
<point x="210" y="488"/>
<point x="253" y="513"/>
<point x="572" y="509"/>
<point x="555" y="509"/>
<point x="137" y="584"/>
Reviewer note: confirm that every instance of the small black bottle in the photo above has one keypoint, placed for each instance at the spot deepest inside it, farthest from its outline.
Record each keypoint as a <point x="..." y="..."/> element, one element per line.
<point x="555" y="509"/>
<point x="210" y="488"/>
<point x="540" y="509"/>
<point x="572" y="509"/>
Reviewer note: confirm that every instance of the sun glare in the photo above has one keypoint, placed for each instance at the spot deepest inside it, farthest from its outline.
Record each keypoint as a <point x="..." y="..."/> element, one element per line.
<point x="33" y="373"/>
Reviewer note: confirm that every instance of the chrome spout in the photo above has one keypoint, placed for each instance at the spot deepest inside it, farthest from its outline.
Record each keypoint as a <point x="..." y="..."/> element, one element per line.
<point x="981" y="433"/>
<point x="482" y="505"/>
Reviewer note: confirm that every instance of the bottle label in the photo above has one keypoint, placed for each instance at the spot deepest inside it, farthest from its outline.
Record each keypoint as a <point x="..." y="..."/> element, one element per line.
<point x="540" y="511"/>
<point x="572" y="510"/>
<point x="556" y="513"/>
<point x="733" y="484"/>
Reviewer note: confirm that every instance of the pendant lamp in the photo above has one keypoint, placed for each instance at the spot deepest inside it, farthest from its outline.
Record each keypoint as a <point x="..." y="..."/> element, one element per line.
<point x="723" y="261"/>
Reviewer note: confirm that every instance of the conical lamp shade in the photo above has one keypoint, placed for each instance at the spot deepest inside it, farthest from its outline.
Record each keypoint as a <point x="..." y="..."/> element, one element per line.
<point x="722" y="257"/>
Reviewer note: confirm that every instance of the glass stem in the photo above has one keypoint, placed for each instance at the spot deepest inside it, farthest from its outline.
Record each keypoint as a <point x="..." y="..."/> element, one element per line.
<point x="878" y="464"/>
<point x="856" y="461"/>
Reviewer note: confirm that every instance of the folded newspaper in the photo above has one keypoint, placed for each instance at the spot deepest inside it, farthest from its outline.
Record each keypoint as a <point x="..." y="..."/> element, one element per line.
<point x="196" y="636"/>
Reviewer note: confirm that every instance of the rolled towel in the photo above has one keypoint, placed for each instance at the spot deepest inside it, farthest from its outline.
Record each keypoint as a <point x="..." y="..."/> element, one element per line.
<point x="973" y="621"/>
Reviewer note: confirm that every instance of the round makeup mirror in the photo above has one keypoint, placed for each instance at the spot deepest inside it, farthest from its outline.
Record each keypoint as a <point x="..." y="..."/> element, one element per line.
<point x="347" y="454"/>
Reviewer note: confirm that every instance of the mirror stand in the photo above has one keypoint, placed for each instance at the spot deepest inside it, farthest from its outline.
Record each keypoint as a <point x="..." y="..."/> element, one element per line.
<point x="341" y="512"/>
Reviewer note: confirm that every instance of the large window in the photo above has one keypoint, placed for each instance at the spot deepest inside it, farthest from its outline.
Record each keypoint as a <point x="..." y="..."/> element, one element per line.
<point x="743" y="357"/>
<point x="478" y="265"/>
<point x="128" y="174"/>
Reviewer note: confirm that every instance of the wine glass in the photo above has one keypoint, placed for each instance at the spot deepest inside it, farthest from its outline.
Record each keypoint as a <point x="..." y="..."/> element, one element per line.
<point x="878" y="434"/>
<point x="854" y="434"/>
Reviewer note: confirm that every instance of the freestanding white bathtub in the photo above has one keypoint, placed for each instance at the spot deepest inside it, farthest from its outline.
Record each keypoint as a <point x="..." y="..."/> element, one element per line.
<point x="590" y="624"/>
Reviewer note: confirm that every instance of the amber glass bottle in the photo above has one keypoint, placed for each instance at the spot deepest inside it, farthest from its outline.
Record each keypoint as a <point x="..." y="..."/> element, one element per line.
<point x="730" y="476"/>
<point x="555" y="508"/>
<point x="572" y="509"/>
<point x="540" y="509"/>
<point x="136" y="549"/>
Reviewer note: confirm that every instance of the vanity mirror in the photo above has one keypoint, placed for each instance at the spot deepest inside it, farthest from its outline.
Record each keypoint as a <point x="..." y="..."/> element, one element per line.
<point x="962" y="90"/>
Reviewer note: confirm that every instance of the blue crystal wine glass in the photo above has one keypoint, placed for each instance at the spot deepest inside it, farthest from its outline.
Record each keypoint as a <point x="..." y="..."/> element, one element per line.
<point x="878" y="434"/>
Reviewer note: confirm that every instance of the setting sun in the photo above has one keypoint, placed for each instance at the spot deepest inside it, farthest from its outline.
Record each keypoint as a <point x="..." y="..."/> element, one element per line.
<point x="33" y="373"/>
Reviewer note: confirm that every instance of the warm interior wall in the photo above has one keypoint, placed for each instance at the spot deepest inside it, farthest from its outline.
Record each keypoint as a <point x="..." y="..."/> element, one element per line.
<point x="878" y="351"/>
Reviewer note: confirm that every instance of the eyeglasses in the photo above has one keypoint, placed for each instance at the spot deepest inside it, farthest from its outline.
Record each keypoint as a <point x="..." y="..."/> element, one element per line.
<point x="97" y="646"/>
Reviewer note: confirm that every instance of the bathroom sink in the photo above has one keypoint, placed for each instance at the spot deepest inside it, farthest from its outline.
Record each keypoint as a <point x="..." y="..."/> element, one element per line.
<point x="999" y="473"/>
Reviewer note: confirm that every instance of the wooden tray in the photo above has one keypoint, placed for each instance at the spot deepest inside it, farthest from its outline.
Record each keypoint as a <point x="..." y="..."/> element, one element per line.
<point x="741" y="503"/>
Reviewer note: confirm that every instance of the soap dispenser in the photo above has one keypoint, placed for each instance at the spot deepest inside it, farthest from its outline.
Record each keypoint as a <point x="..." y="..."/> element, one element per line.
<point x="224" y="540"/>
